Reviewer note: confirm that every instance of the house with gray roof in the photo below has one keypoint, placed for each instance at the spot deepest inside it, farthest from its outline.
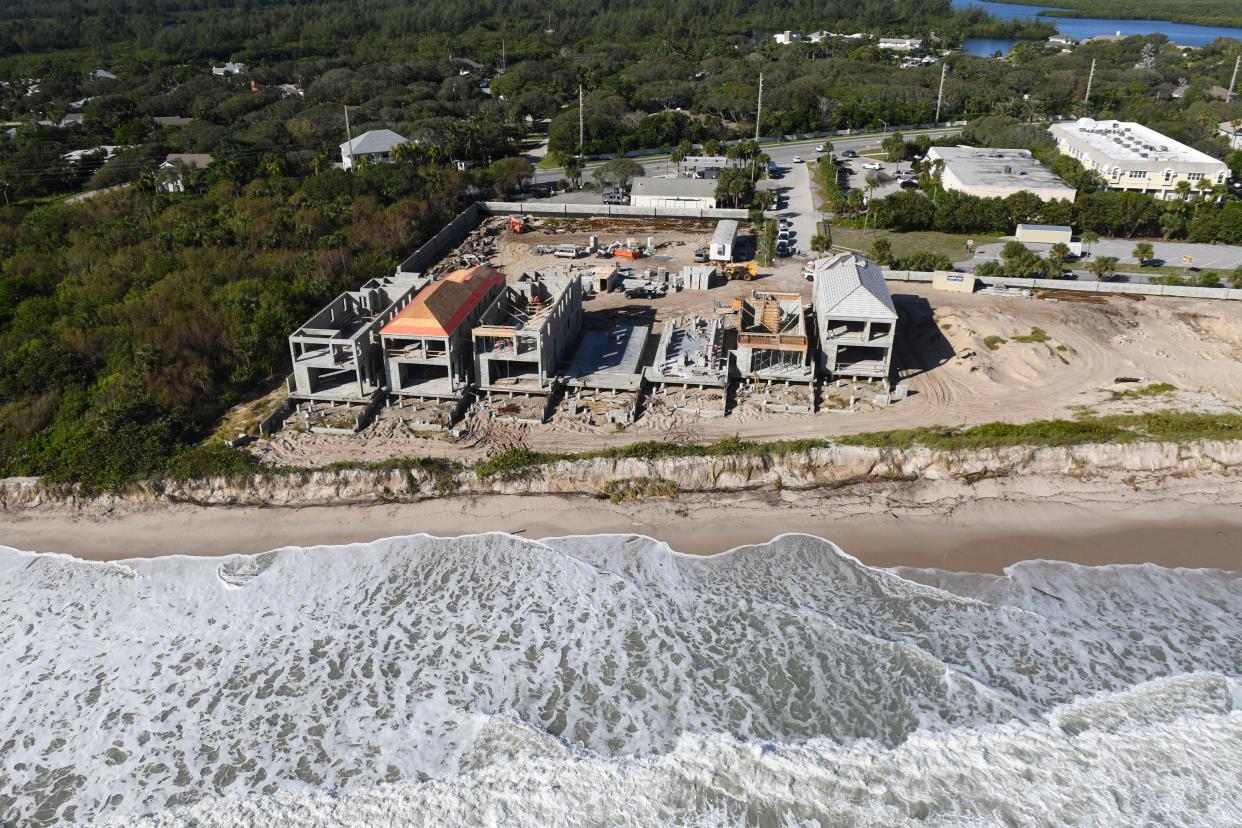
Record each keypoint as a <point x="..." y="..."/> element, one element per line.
<point x="170" y="176"/>
<point x="691" y="193"/>
<point x="375" y="146"/>
<point x="855" y="318"/>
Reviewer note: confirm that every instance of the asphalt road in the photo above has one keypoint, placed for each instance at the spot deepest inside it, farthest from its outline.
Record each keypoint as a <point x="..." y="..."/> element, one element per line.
<point x="782" y="154"/>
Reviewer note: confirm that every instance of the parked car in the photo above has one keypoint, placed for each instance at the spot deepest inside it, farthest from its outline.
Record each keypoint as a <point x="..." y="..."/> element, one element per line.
<point x="782" y="248"/>
<point x="873" y="165"/>
<point x="700" y="255"/>
<point x="615" y="197"/>
<point x="909" y="184"/>
<point x="849" y="154"/>
<point x="797" y="159"/>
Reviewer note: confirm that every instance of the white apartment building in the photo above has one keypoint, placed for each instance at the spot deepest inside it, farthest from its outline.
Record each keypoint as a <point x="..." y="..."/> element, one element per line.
<point x="1130" y="156"/>
<point x="901" y="44"/>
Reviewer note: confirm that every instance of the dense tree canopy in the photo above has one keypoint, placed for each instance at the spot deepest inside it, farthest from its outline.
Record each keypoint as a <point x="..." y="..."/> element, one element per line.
<point x="130" y="322"/>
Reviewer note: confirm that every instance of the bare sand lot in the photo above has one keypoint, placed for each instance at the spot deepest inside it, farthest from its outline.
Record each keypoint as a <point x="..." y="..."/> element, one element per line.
<point x="966" y="359"/>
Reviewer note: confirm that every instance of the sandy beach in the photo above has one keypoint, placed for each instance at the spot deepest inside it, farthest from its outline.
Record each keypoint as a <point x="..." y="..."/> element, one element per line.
<point x="986" y="532"/>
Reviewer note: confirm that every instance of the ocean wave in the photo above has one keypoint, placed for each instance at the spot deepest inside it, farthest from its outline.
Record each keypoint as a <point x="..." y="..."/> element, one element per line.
<point x="491" y="678"/>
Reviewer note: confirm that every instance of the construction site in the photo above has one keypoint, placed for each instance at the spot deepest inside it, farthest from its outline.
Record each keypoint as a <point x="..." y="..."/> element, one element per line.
<point x="504" y="343"/>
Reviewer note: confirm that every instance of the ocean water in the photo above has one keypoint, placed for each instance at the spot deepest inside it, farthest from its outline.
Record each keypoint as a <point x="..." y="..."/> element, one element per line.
<point x="607" y="680"/>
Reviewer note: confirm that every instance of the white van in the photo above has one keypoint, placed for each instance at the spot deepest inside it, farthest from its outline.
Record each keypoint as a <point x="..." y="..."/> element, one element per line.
<point x="566" y="251"/>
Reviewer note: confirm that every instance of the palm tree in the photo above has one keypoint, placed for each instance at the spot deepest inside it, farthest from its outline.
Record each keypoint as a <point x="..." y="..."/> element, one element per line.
<point x="272" y="165"/>
<point x="1183" y="188"/>
<point x="145" y="182"/>
<point x="760" y="162"/>
<point x="1171" y="223"/>
<point x="405" y="153"/>
<point x="319" y="161"/>
<point x="1090" y="237"/>
<point x="1104" y="267"/>
<point x="872" y="186"/>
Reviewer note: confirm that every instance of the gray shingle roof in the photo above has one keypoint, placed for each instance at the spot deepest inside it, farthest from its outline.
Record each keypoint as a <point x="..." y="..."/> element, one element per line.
<point x="852" y="286"/>
<point x="377" y="140"/>
<point x="193" y="160"/>
<point x="674" y="187"/>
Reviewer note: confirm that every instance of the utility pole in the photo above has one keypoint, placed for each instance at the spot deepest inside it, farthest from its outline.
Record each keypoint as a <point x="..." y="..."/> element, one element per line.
<point x="349" y="138"/>
<point x="754" y="161"/>
<point x="1087" y="97"/>
<point x="1234" y="82"/>
<point x="580" y="121"/>
<point x="759" y="108"/>
<point x="503" y="64"/>
<point x="944" y="67"/>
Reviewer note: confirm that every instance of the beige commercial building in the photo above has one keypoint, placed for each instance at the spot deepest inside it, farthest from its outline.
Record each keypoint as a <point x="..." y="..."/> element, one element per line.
<point x="1129" y="156"/>
<point x="683" y="193"/>
<point x="997" y="173"/>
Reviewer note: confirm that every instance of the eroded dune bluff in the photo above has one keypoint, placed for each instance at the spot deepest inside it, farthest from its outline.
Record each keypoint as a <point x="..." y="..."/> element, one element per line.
<point x="1138" y="464"/>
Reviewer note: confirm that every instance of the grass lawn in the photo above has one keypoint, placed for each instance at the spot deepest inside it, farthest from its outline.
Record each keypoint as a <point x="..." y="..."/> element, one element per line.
<point x="905" y="244"/>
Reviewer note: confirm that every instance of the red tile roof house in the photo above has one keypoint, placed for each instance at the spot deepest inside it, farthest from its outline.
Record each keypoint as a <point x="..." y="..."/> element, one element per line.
<point x="426" y="346"/>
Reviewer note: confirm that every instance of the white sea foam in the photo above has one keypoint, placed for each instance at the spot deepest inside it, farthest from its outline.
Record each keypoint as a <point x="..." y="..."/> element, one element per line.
<point x="608" y="680"/>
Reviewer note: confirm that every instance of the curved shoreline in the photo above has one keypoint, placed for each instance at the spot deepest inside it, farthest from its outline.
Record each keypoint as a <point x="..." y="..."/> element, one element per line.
<point x="957" y="526"/>
<point x="1165" y="503"/>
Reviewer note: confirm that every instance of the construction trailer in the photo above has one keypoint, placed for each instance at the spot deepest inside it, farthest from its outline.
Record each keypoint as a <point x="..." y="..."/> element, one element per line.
<point x="690" y="371"/>
<point x="336" y="354"/>
<point x="426" y="346"/>
<point x="953" y="282"/>
<point x="773" y="354"/>
<point x="521" y="338"/>
<point x="721" y="249"/>
<point x="855" y="318"/>
<point x="605" y="376"/>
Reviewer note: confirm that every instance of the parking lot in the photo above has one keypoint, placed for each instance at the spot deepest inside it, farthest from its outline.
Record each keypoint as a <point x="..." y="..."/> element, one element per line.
<point x="883" y="172"/>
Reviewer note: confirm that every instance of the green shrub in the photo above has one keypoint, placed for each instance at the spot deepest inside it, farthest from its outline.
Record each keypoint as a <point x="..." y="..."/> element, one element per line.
<point x="1036" y="335"/>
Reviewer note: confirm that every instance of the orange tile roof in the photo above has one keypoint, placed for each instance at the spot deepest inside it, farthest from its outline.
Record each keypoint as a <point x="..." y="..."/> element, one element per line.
<point x="440" y="307"/>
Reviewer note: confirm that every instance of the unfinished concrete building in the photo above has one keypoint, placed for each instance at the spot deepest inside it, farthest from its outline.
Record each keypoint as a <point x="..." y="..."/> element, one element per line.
<point x="855" y="318"/>
<point x="605" y="377"/>
<point x="521" y="339"/>
<point x="690" y="371"/>
<point x="336" y="355"/>
<point x="427" y="353"/>
<point x="773" y="354"/>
